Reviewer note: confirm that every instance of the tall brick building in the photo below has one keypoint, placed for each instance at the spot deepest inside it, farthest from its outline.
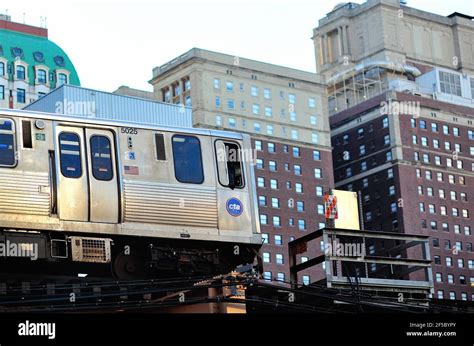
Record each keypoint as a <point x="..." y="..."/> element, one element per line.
<point x="285" y="112"/>
<point x="401" y="104"/>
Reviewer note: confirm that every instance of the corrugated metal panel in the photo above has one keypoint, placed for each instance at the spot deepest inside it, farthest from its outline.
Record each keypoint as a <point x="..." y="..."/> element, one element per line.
<point x="20" y="193"/>
<point x="95" y="104"/>
<point x="170" y="204"/>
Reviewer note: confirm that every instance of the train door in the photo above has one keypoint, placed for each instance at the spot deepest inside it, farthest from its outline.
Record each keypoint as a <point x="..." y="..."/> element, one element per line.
<point x="232" y="189"/>
<point x="87" y="175"/>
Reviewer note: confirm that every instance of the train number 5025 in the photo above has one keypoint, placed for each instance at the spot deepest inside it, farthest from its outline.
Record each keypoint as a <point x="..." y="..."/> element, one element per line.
<point x="130" y="130"/>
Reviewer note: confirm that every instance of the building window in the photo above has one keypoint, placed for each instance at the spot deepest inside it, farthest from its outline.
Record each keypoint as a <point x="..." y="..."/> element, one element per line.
<point x="276" y="221"/>
<point x="313" y="120"/>
<point x="2" y="92"/>
<point x="218" y="101"/>
<point x="294" y="134"/>
<point x="301" y="225"/>
<point x="266" y="257"/>
<point x="20" y="95"/>
<point x="292" y="98"/>
<point x="316" y="155"/>
<point x="306" y="280"/>
<point x="315" y="138"/>
<point x="256" y="127"/>
<point x="391" y="190"/>
<point x="318" y="173"/>
<point x="262" y="201"/>
<point x="259" y="164"/>
<point x="230" y="104"/>
<point x="271" y="147"/>
<point x="278" y="240"/>
<point x="20" y="72"/>
<point x="256" y="109"/>
<point x="229" y="86"/>
<point x="267" y="94"/>
<point x="385" y="122"/>
<point x="267" y="276"/>
<point x="281" y="277"/>
<point x="300" y="206"/>
<point x="258" y="145"/>
<point x="297" y="169"/>
<point x="268" y="111"/>
<point x="2" y="69"/>
<point x="41" y="76"/>
<point x="299" y="188"/>
<point x="293" y="116"/>
<point x="274" y="184"/>
<point x="279" y="258"/>
<point x="62" y="79"/>
<point x="311" y="102"/>
<point x="320" y="209"/>
<point x="263" y="219"/>
<point x="270" y="130"/>
<point x="319" y="191"/>
<point x="260" y="182"/>
<point x="450" y="83"/>
<point x="272" y="165"/>
<point x="254" y="91"/>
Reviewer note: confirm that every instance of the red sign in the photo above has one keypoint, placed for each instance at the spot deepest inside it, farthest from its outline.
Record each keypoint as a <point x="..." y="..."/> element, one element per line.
<point x="330" y="202"/>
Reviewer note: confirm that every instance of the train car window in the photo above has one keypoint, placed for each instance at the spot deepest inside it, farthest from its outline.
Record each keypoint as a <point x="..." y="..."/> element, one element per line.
<point x="160" y="147"/>
<point x="229" y="164"/>
<point x="7" y="143"/>
<point x="187" y="159"/>
<point x="70" y="155"/>
<point x="26" y="131"/>
<point x="101" y="157"/>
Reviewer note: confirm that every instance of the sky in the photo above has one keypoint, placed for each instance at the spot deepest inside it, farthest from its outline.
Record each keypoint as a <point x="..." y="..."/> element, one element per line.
<point x="119" y="42"/>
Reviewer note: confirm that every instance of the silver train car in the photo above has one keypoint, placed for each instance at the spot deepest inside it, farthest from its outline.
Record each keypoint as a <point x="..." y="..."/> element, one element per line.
<point x="142" y="200"/>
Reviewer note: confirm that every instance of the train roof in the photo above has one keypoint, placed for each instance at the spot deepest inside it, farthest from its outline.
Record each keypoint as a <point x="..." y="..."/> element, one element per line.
<point x="94" y="121"/>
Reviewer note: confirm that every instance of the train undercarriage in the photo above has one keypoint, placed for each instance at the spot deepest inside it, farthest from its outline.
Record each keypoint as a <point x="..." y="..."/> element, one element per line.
<point x="27" y="253"/>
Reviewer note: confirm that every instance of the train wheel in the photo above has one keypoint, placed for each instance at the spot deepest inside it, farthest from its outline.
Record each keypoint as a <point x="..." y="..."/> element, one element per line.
<point x="128" y="267"/>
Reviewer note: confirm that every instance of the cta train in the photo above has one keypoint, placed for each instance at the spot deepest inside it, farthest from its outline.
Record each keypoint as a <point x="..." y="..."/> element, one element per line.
<point x="143" y="200"/>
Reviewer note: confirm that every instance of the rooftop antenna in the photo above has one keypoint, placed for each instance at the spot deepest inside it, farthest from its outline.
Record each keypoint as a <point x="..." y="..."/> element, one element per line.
<point x="24" y="14"/>
<point x="45" y="22"/>
<point x="41" y="21"/>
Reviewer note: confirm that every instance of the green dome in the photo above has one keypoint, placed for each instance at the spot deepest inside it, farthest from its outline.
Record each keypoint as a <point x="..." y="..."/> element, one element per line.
<point x="36" y="50"/>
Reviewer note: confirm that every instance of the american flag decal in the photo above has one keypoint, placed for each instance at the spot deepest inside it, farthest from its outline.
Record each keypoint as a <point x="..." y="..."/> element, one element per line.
<point x="131" y="170"/>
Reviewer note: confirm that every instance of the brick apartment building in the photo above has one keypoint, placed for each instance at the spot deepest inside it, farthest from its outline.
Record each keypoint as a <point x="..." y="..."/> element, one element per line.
<point x="285" y="112"/>
<point x="401" y="103"/>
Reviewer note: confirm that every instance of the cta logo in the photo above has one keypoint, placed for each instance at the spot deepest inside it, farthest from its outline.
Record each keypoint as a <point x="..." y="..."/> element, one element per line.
<point x="234" y="207"/>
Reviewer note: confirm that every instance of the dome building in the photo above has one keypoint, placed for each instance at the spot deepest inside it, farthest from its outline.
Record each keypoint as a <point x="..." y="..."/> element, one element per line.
<point x="30" y="64"/>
